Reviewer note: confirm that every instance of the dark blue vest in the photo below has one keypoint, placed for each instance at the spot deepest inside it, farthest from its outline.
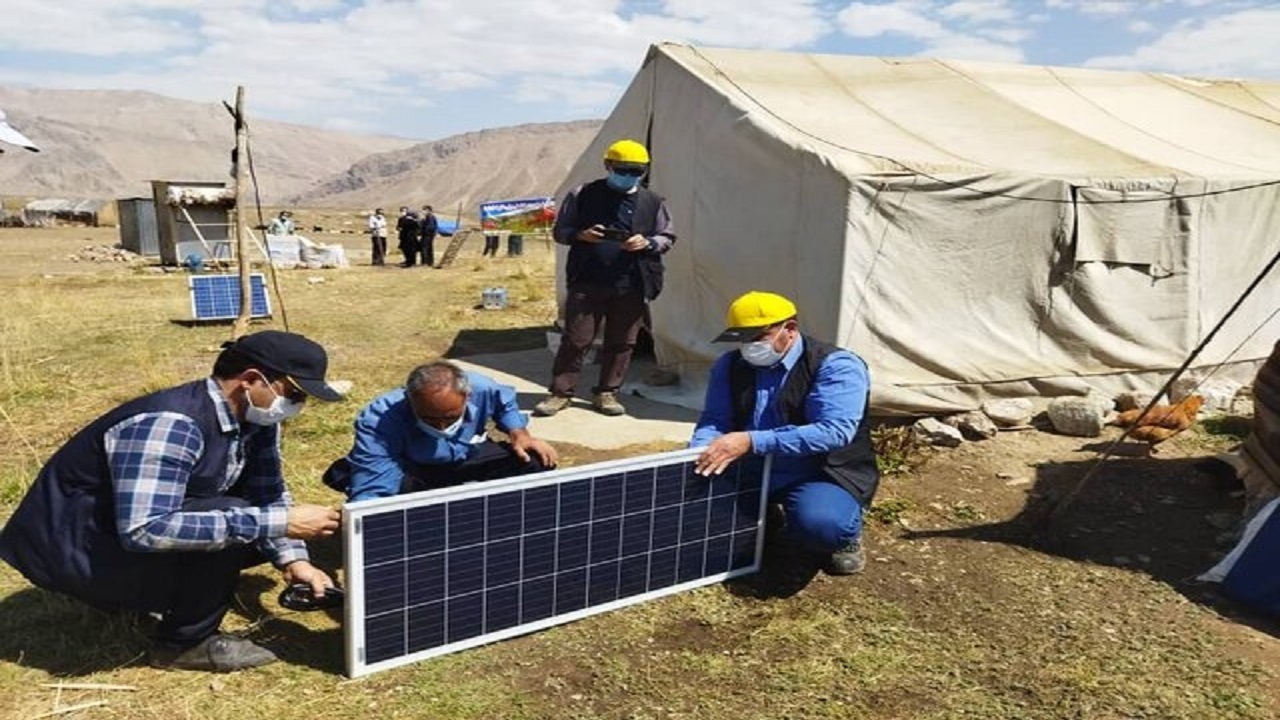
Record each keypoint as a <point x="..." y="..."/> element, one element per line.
<point x="606" y="264"/>
<point x="852" y="467"/>
<point x="63" y="535"/>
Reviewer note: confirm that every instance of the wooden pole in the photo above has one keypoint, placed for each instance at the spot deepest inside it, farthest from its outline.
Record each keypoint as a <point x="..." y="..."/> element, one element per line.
<point x="238" y="227"/>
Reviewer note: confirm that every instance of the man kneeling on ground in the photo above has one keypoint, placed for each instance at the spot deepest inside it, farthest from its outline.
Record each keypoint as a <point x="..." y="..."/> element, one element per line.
<point x="804" y="402"/>
<point x="158" y="505"/>
<point x="431" y="434"/>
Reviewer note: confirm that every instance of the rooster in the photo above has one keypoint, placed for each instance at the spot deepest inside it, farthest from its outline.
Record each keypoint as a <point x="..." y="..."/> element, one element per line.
<point x="1162" y="421"/>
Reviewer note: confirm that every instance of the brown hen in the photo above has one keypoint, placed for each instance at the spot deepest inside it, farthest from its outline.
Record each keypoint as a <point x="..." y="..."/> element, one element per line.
<point x="1162" y="421"/>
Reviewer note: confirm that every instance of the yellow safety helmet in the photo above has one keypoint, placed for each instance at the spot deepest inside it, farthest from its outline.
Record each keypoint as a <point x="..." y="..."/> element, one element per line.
<point x="627" y="151"/>
<point x="752" y="312"/>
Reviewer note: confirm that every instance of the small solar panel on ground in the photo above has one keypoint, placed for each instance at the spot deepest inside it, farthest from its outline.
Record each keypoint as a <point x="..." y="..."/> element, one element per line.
<point x="217" y="297"/>
<point x="443" y="570"/>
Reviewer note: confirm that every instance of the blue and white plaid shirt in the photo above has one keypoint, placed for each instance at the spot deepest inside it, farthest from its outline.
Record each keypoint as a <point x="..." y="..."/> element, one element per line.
<point x="150" y="457"/>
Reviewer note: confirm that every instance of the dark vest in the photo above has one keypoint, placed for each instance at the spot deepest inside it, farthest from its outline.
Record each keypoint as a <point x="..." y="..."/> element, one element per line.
<point x="63" y="535"/>
<point x="853" y="466"/>
<point x="606" y="263"/>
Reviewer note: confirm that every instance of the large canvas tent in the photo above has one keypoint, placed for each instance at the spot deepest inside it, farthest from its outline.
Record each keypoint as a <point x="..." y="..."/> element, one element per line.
<point x="971" y="229"/>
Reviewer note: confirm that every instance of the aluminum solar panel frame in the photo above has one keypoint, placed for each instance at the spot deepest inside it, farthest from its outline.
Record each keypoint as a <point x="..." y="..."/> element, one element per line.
<point x="434" y="572"/>
<point x="217" y="297"/>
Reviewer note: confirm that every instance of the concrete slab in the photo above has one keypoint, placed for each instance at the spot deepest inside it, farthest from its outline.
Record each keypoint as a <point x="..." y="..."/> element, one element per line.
<point x="646" y="420"/>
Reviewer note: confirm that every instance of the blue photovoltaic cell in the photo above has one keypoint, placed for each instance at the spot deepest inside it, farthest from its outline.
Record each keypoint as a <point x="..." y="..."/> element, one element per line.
<point x="217" y="297"/>
<point x="460" y="568"/>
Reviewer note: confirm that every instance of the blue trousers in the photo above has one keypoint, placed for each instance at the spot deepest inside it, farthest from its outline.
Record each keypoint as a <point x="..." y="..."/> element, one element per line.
<point x="821" y="516"/>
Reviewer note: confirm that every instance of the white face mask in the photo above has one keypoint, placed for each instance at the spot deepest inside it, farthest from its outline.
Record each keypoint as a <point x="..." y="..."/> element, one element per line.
<point x="448" y="433"/>
<point x="761" y="353"/>
<point x="280" y="409"/>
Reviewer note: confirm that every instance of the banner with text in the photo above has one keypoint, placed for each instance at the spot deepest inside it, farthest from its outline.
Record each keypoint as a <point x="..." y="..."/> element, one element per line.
<point x="518" y="216"/>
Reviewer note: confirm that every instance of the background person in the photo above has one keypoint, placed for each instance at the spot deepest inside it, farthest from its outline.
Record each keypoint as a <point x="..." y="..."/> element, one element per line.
<point x="804" y="402"/>
<point x="427" y="236"/>
<point x="159" y="504"/>
<point x="431" y="433"/>
<point x="282" y="224"/>
<point x="407" y="228"/>
<point x="378" y="236"/>
<point x="617" y="232"/>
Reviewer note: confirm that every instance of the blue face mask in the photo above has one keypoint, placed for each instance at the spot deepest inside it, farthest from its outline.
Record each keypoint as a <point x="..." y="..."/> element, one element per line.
<point x="622" y="183"/>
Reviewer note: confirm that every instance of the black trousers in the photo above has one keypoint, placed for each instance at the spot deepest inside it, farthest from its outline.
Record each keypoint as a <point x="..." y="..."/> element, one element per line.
<point x="428" y="249"/>
<point x="409" y="248"/>
<point x="492" y="461"/>
<point x="192" y="590"/>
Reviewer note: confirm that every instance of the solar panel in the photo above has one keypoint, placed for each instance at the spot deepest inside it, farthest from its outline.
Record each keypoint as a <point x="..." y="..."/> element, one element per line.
<point x="434" y="572"/>
<point x="217" y="297"/>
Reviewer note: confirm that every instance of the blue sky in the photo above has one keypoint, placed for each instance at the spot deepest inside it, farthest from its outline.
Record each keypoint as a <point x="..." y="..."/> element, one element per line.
<point x="430" y="68"/>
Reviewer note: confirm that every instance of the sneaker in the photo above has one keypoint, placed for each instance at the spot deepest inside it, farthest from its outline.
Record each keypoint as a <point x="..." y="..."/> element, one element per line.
<point x="606" y="403"/>
<point x="216" y="653"/>
<point x="552" y="405"/>
<point x="848" y="560"/>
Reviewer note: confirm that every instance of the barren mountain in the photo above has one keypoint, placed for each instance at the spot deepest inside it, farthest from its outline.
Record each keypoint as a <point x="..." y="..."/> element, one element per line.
<point x="511" y="162"/>
<point x="111" y="143"/>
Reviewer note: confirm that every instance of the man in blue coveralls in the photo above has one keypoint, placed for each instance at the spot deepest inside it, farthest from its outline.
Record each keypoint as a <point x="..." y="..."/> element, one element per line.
<point x="431" y="434"/>
<point x="803" y="401"/>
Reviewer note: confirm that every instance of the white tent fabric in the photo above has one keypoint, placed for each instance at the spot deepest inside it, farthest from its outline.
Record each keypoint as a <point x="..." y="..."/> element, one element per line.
<point x="971" y="229"/>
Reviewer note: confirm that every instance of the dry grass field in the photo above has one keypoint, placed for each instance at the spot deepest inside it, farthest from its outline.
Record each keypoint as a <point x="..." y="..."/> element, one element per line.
<point x="959" y="615"/>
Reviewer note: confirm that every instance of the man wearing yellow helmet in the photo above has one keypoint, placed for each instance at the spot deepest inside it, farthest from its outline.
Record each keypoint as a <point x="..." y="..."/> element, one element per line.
<point x="617" y="232"/>
<point x="803" y="401"/>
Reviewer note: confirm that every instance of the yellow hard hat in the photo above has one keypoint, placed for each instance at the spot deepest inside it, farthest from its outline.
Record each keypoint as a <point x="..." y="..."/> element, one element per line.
<point x="752" y="312"/>
<point x="627" y="151"/>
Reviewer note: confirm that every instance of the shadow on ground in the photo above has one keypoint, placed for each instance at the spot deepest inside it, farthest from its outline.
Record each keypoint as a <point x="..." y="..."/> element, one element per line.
<point x="66" y="638"/>
<point x="479" y="341"/>
<point x="1169" y="518"/>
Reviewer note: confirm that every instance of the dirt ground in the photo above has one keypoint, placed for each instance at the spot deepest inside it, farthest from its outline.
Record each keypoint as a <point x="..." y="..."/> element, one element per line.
<point x="972" y="605"/>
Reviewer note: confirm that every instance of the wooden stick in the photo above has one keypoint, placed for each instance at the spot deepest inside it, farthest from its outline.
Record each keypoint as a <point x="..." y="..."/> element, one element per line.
<point x="241" y="325"/>
<point x="71" y="709"/>
<point x="88" y="686"/>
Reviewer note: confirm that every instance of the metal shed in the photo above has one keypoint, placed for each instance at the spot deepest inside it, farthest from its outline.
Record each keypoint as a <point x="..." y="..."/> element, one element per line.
<point x="138" y="232"/>
<point x="192" y="218"/>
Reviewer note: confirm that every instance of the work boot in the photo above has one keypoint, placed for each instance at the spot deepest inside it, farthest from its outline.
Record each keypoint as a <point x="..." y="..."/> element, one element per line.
<point x="606" y="403"/>
<point x="551" y="405"/>
<point x="216" y="653"/>
<point x="848" y="560"/>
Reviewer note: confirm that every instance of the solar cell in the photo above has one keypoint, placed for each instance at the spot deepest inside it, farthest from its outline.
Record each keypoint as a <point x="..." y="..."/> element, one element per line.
<point x="434" y="572"/>
<point x="217" y="297"/>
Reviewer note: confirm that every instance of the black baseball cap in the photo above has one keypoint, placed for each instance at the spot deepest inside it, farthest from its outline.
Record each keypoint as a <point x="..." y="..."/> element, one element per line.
<point x="301" y="359"/>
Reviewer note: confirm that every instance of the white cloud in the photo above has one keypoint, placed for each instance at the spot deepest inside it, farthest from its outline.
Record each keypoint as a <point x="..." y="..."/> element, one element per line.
<point x="572" y="93"/>
<point x="1240" y="44"/>
<point x="776" y="25"/>
<point x="358" y="62"/>
<point x="980" y="30"/>
<point x="1101" y="7"/>
<point x="981" y="11"/>
<point x="865" y="20"/>
<point x="86" y="28"/>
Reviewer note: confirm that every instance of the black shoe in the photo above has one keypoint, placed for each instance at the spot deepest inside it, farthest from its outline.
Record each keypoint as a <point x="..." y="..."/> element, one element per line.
<point x="848" y="560"/>
<point x="216" y="653"/>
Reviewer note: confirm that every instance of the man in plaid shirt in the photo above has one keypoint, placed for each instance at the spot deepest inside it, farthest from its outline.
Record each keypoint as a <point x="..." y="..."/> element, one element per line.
<point x="159" y="504"/>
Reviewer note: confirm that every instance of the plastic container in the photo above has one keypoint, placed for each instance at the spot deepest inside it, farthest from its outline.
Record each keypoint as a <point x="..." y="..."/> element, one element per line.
<point x="494" y="298"/>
